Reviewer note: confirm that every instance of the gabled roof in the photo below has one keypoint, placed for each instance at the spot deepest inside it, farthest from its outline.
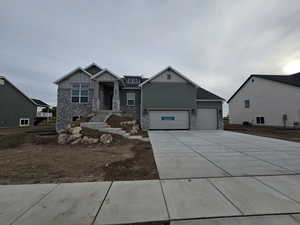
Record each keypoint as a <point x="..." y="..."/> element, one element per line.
<point x="93" y="69"/>
<point x="293" y="80"/>
<point x="4" y="78"/>
<point x="103" y="71"/>
<point x="203" y="94"/>
<point x="166" y="69"/>
<point x="40" y="103"/>
<point x="71" y="73"/>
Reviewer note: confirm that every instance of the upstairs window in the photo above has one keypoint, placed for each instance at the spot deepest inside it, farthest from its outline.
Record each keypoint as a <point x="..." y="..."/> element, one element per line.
<point x="247" y="104"/>
<point x="130" y="98"/>
<point x="169" y="76"/>
<point x="260" y="120"/>
<point x="132" y="80"/>
<point x="80" y="93"/>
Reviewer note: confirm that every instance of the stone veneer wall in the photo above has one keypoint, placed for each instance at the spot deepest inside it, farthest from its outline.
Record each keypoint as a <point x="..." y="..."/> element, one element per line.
<point x="66" y="109"/>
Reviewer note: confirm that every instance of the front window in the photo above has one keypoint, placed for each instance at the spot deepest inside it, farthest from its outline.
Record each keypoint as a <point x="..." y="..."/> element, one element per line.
<point x="80" y="93"/>
<point x="131" y="99"/>
<point x="24" y="122"/>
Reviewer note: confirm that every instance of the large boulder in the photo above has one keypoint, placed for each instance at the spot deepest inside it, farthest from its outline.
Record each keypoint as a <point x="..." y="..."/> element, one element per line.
<point x="75" y="130"/>
<point x="87" y="140"/>
<point x="62" y="139"/>
<point x="106" y="139"/>
<point x="71" y="138"/>
<point x="76" y="141"/>
<point x="134" y="130"/>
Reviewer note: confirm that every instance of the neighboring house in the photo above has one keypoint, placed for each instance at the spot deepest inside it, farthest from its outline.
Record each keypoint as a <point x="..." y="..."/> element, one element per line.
<point x="17" y="110"/>
<point x="40" y="107"/>
<point x="167" y="100"/>
<point x="272" y="100"/>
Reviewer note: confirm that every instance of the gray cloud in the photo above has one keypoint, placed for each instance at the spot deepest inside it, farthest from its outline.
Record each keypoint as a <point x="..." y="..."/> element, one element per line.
<point x="216" y="43"/>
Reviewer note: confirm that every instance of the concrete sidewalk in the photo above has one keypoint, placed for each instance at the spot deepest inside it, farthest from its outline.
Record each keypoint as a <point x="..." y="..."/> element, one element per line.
<point x="149" y="201"/>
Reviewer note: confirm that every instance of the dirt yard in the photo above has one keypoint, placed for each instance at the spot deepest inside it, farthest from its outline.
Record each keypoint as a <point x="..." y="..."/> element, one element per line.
<point x="33" y="156"/>
<point x="274" y="132"/>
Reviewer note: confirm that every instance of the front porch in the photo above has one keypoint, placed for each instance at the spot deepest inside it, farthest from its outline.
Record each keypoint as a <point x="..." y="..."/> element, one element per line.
<point x="106" y="93"/>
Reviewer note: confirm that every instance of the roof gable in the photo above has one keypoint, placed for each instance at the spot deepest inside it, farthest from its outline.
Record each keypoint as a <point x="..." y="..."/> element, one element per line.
<point x="93" y="69"/>
<point x="103" y="72"/>
<point x="292" y="80"/>
<point x="169" y="68"/>
<point x="71" y="74"/>
<point x="17" y="89"/>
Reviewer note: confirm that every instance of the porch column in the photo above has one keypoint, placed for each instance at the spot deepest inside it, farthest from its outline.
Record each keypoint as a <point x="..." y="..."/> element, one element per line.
<point x="116" y="97"/>
<point x="95" y="106"/>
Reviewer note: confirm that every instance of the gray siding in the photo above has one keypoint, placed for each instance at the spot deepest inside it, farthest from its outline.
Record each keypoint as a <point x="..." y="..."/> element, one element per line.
<point x="167" y="96"/>
<point x="213" y="104"/>
<point x="14" y="106"/>
<point x="133" y="111"/>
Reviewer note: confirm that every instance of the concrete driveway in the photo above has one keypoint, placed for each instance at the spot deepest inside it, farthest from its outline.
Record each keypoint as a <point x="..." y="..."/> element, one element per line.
<point x="206" y="154"/>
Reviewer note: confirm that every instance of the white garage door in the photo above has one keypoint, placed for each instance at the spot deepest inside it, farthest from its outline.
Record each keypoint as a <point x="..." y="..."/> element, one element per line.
<point x="207" y="119"/>
<point x="169" y="120"/>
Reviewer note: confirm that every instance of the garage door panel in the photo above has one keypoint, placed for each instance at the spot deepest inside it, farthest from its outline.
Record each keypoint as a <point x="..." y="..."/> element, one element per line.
<point x="169" y="120"/>
<point x="207" y="119"/>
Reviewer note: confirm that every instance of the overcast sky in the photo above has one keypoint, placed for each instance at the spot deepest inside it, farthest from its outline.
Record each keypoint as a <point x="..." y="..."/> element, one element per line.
<point x="218" y="44"/>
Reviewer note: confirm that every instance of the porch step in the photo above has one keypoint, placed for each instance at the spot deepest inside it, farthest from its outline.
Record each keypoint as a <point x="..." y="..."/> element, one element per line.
<point x="101" y="116"/>
<point x="102" y="126"/>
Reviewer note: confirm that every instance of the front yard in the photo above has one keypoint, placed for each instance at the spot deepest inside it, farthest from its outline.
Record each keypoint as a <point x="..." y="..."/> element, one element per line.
<point x="273" y="132"/>
<point x="33" y="156"/>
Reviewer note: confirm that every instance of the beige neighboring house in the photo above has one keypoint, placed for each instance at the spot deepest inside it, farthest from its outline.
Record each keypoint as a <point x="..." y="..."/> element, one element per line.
<point x="270" y="100"/>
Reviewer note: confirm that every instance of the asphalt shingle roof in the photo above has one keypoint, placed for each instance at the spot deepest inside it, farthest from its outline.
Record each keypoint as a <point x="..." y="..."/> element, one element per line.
<point x="206" y="95"/>
<point x="40" y="102"/>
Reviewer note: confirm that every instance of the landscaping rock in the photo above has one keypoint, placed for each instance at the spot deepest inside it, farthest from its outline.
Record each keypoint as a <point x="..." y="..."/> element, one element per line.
<point x="106" y="138"/>
<point x="71" y="138"/>
<point x="134" y="130"/>
<point x="62" y="139"/>
<point x="87" y="140"/>
<point x="75" y="130"/>
<point x="77" y="141"/>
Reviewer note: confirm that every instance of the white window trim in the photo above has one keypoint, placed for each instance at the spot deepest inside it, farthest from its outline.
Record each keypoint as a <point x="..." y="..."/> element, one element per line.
<point x="79" y="96"/>
<point x="132" y="99"/>
<point x="24" y="125"/>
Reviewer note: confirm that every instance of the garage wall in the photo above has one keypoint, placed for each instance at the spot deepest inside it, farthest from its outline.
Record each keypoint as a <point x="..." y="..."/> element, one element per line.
<point x="213" y="104"/>
<point x="166" y="96"/>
